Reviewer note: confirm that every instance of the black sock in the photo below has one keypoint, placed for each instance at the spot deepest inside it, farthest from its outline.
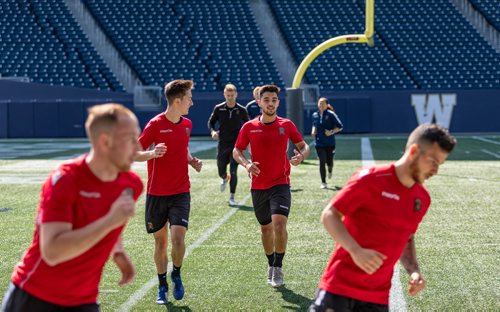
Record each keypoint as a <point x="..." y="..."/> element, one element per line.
<point x="278" y="261"/>
<point x="270" y="259"/>
<point x="162" y="278"/>
<point x="176" y="271"/>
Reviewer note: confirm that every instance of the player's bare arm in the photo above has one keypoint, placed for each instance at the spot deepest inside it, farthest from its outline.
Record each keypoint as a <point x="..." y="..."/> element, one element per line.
<point x="300" y="154"/>
<point x="409" y="261"/>
<point x="59" y="242"/>
<point x="124" y="264"/>
<point x="251" y="167"/>
<point x="158" y="151"/>
<point x="196" y="163"/>
<point x="368" y="260"/>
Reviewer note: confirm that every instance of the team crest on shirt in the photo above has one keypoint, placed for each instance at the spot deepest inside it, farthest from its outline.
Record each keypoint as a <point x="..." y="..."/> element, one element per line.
<point x="417" y="205"/>
<point x="281" y="130"/>
<point x="187" y="131"/>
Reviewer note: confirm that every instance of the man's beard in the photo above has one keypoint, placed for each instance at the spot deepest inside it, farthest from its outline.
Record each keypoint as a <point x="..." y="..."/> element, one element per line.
<point x="415" y="171"/>
<point x="266" y="112"/>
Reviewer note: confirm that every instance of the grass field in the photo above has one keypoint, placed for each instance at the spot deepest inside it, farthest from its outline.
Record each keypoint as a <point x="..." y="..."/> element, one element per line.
<point x="458" y="242"/>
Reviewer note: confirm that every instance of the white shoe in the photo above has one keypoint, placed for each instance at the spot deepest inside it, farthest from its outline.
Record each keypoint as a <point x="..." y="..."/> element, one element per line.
<point x="270" y="271"/>
<point x="223" y="183"/>
<point x="323" y="185"/>
<point x="232" y="202"/>
<point x="277" y="280"/>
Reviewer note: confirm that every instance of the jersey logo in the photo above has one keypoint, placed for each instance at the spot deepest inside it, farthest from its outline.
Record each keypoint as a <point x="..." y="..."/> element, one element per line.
<point x="255" y="131"/>
<point x="417" y="206"/>
<point x="166" y="131"/>
<point x="390" y="195"/>
<point x="187" y="131"/>
<point x="55" y="177"/>
<point x="436" y="108"/>
<point x="90" y="194"/>
<point x="281" y="130"/>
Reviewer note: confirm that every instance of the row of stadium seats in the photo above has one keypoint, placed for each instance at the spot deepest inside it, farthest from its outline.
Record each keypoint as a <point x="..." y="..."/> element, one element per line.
<point x="424" y="47"/>
<point x="42" y="41"/>
<point x="413" y="40"/>
<point x="212" y="42"/>
<point x="215" y="42"/>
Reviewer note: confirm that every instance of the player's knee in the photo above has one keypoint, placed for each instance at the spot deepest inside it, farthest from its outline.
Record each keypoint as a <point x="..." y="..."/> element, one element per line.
<point x="279" y="227"/>
<point x="267" y="230"/>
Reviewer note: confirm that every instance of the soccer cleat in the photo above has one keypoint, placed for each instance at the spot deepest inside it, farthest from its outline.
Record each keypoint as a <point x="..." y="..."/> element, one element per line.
<point x="323" y="185"/>
<point x="178" y="287"/>
<point x="223" y="184"/>
<point x="329" y="174"/>
<point x="270" y="271"/>
<point x="162" y="295"/>
<point x="232" y="202"/>
<point x="277" y="280"/>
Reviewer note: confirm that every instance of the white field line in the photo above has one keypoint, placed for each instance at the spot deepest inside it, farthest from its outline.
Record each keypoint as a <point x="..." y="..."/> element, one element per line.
<point x="491" y="153"/>
<point x="486" y="140"/>
<point x="139" y="294"/>
<point x="396" y="299"/>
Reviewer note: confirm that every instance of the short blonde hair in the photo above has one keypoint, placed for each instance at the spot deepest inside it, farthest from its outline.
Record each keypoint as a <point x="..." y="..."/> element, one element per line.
<point x="230" y="87"/>
<point x="256" y="93"/>
<point x="104" y="118"/>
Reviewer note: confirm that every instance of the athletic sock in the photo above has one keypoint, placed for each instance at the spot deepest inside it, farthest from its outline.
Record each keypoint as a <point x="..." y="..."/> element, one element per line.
<point x="176" y="271"/>
<point x="162" y="278"/>
<point x="270" y="259"/>
<point x="278" y="261"/>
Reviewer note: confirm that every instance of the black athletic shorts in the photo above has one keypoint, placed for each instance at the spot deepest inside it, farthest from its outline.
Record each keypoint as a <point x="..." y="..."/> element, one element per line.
<point x="325" y="301"/>
<point x="275" y="200"/>
<point x="17" y="300"/>
<point x="173" y="209"/>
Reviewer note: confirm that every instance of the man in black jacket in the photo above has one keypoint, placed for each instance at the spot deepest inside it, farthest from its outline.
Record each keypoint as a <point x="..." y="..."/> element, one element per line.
<point x="230" y="116"/>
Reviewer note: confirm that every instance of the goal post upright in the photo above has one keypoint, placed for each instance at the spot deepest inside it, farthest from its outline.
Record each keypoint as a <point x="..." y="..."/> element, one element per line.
<point x="294" y="95"/>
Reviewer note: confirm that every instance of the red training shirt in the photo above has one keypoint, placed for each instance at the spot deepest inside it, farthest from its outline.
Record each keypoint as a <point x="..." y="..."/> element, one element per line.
<point x="168" y="175"/>
<point x="380" y="213"/>
<point x="269" y="145"/>
<point x="72" y="193"/>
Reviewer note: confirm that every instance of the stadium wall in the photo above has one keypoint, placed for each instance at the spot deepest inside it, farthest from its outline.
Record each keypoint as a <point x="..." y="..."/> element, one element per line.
<point x="30" y="110"/>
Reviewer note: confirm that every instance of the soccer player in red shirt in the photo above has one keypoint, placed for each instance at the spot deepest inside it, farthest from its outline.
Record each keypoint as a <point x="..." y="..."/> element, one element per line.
<point x="167" y="196"/>
<point x="269" y="168"/>
<point x="373" y="220"/>
<point x="84" y="205"/>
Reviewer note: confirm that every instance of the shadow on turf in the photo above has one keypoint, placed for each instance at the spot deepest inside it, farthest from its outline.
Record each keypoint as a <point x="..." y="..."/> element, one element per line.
<point x="300" y="303"/>
<point x="171" y="307"/>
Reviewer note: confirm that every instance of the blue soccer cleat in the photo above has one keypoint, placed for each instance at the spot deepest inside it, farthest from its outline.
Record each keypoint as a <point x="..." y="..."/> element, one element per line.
<point x="162" y="295"/>
<point x="178" y="287"/>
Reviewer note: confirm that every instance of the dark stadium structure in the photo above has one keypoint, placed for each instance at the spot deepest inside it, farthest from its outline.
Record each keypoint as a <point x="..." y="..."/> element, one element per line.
<point x="421" y="48"/>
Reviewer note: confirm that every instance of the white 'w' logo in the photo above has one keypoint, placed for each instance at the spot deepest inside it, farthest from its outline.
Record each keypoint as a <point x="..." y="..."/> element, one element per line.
<point x="436" y="108"/>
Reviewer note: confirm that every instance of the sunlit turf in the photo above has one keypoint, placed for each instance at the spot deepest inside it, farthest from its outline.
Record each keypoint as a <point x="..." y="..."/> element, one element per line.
<point x="457" y="243"/>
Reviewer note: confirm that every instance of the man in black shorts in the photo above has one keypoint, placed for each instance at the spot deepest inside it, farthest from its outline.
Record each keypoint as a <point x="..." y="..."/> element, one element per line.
<point x="269" y="167"/>
<point x="230" y="116"/>
<point x="167" y="196"/>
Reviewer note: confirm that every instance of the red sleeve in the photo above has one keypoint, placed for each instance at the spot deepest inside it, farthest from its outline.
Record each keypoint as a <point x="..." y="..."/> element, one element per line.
<point x="243" y="139"/>
<point x="352" y="195"/>
<point x="57" y="199"/>
<point x="147" y="136"/>
<point x="294" y="133"/>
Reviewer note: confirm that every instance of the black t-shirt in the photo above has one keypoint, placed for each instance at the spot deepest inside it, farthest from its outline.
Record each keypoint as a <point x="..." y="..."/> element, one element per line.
<point x="230" y="120"/>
